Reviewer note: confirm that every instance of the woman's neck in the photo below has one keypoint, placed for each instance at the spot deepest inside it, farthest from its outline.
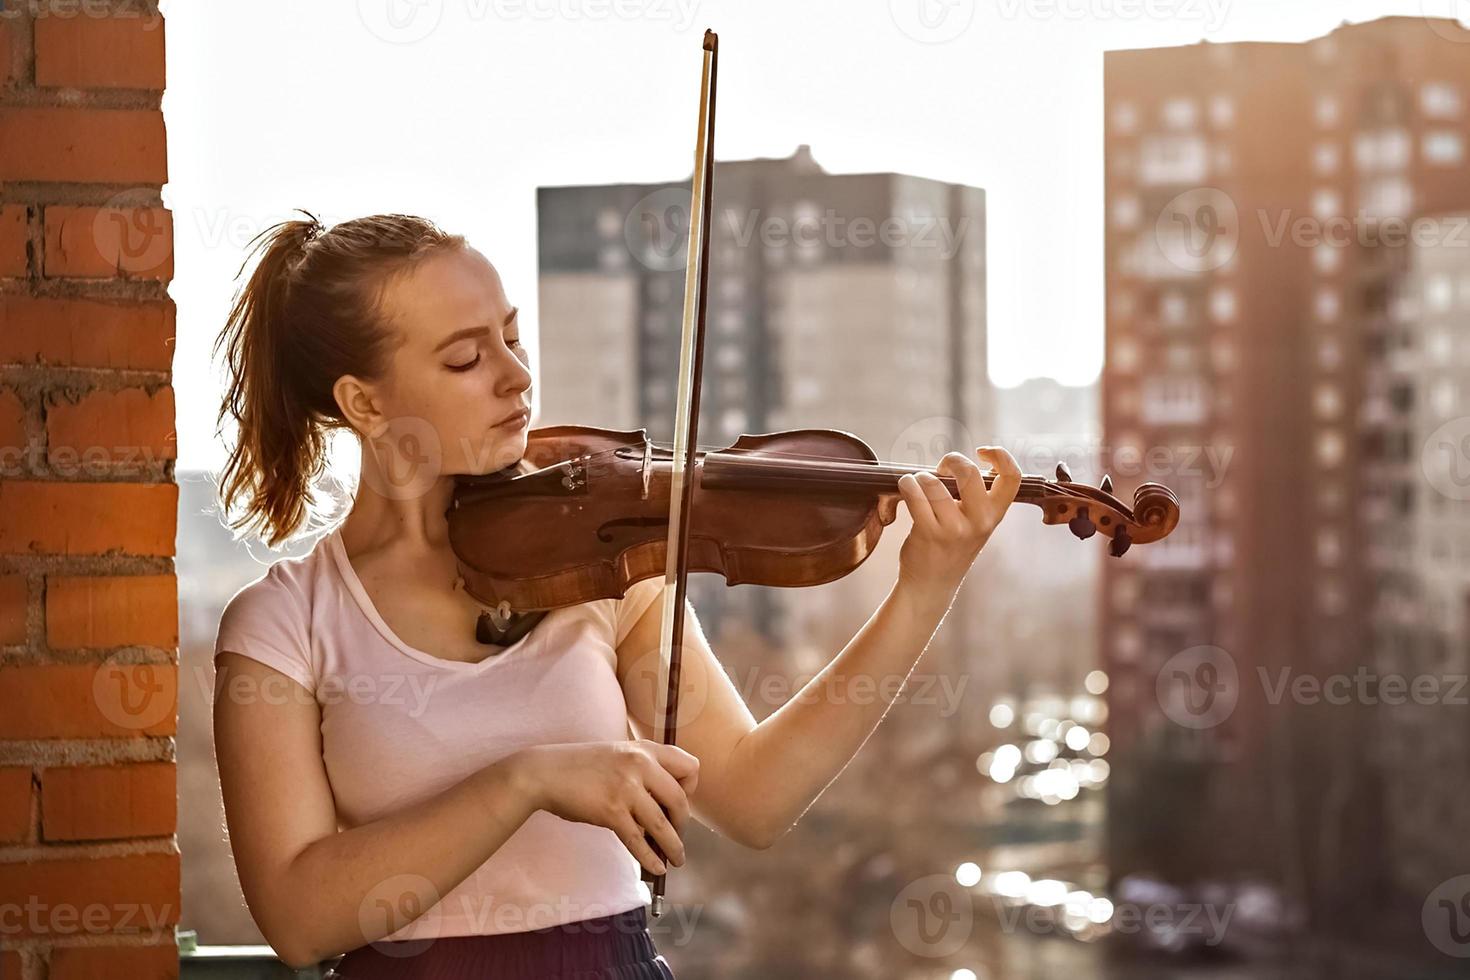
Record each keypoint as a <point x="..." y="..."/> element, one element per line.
<point x="405" y="516"/>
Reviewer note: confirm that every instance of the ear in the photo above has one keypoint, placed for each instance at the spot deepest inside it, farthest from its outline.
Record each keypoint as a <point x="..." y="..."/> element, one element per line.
<point x="358" y="402"/>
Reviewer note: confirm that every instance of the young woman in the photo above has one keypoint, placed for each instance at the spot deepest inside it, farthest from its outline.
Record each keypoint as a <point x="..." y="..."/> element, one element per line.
<point x="395" y="788"/>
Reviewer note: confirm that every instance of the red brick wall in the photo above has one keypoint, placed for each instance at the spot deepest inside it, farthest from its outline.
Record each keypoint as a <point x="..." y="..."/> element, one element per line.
<point x="89" y="867"/>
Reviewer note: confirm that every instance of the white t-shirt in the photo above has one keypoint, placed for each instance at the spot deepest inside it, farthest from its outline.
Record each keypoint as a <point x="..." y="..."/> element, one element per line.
<point x="400" y="725"/>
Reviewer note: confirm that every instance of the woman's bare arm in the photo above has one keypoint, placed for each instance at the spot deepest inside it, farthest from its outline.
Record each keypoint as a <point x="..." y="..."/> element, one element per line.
<point x="316" y="892"/>
<point x="756" y="780"/>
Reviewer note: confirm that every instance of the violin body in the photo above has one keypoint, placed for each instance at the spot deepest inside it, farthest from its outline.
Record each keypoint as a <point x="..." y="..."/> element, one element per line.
<point x="592" y="518"/>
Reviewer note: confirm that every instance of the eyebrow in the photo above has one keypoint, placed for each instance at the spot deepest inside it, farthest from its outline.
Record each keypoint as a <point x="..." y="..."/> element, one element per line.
<point x="474" y="331"/>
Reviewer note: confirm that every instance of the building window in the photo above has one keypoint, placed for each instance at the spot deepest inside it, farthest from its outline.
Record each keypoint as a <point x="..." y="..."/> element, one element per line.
<point x="1125" y="117"/>
<point x="1389" y="197"/>
<point x="1222" y="305"/>
<point x="1444" y="147"/>
<point x="1326" y="203"/>
<point x="1174" y="309"/>
<point x="1179" y="113"/>
<point x="1326" y="257"/>
<point x="1222" y="111"/>
<point x="1327" y="401"/>
<point x="1439" y="100"/>
<point x="1172" y="160"/>
<point x="1327" y="305"/>
<point x="1383" y="149"/>
<point x="1325" y="158"/>
<point x="1330" y="449"/>
<point x="1125" y="211"/>
<point x="1326" y="111"/>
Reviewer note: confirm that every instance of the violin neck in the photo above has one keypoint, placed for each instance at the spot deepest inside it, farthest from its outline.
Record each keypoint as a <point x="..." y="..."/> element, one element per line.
<point x="734" y="471"/>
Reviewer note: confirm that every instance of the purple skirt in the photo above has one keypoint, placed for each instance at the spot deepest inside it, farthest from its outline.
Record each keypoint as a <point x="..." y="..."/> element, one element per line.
<point x="612" y="947"/>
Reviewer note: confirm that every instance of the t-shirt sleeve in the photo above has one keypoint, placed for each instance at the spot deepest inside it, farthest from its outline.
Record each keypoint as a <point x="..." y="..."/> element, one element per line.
<point x="265" y="621"/>
<point x="635" y="602"/>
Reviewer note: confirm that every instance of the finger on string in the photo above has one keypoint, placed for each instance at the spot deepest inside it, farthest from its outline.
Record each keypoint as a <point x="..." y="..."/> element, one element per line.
<point x="921" y="512"/>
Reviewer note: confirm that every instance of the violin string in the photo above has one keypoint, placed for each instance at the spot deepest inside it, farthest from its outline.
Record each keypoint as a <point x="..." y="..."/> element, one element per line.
<point x="857" y="464"/>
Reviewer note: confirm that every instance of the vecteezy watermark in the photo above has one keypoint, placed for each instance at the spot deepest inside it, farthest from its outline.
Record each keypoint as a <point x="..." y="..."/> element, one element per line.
<point x="1199" y="230"/>
<point x="1363" y="687"/>
<point x="83" y="462"/>
<point x="135" y="696"/>
<point x="932" y="916"/>
<point x="1447" y="18"/>
<point x="1182" y="919"/>
<point x="656" y="230"/>
<point x="491" y="914"/>
<point x="97" y="9"/>
<point x="1446" y="917"/>
<point x="411" y="21"/>
<point x="1210" y="13"/>
<point x="391" y="906"/>
<point x="410" y="691"/>
<point x="932" y="21"/>
<point x="35" y="917"/>
<point x="1363" y="229"/>
<point x="1198" y="687"/>
<point x="1445" y="459"/>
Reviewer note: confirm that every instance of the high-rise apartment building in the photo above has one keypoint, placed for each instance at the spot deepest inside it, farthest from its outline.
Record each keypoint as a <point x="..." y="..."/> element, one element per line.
<point x="841" y="301"/>
<point x="1258" y="200"/>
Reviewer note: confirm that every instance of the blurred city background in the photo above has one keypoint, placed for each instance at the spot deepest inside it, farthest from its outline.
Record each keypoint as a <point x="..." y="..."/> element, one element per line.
<point x="1239" y="752"/>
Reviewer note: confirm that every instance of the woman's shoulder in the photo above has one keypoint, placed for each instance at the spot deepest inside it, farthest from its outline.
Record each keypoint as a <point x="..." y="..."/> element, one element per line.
<point x="269" y="618"/>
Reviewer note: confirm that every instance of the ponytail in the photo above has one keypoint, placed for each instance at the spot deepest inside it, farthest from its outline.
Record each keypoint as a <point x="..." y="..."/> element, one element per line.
<point x="308" y="315"/>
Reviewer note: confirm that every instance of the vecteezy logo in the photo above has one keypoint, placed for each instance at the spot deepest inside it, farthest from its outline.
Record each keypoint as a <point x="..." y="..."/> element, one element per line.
<point x="400" y="21"/>
<point x="657" y="229"/>
<point x="136" y="697"/>
<point x="925" y="442"/>
<point x="1446" y="917"/>
<point x="932" y="916"/>
<point x="393" y="904"/>
<point x="1198" y="230"/>
<point x="408" y="458"/>
<point x="932" y="21"/>
<point x="1457" y="12"/>
<point x="1445" y="459"/>
<point x="1198" y="687"/>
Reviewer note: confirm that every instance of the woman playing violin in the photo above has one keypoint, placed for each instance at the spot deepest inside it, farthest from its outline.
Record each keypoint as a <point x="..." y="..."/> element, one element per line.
<point x="400" y="791"/>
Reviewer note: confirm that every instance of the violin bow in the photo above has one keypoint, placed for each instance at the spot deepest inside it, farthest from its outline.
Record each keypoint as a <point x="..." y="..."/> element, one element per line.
<point x="686" y="424"/>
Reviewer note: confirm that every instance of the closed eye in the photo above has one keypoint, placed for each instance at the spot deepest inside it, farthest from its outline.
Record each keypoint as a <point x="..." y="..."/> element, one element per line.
<point x="465" y="366"/>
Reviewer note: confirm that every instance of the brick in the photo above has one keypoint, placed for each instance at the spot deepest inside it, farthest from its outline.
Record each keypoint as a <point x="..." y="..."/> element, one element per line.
<point x="15" y="803"/>
<point x="111" y="611"/>
<point x="87" y="333"/>
<point x="14" y="597"/>
<point x="135" y="893"/>
<point x="124" y="50"/>
<point x="106" y="700"/>
<point x="154" y="962"/>
<point x="10" y="964"/>
<point x="106" y="243"/>
<point x="38" y="517"/>
<point x="14" y="238"/>
<point x="12" y="424"/>
<point x="129" y="427"/>
<point x="112" y="146"/>
<point x="109" y="802"/>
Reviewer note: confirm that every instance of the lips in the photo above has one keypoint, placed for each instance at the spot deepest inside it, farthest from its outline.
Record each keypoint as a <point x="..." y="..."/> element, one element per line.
<point x="515" y="416"/>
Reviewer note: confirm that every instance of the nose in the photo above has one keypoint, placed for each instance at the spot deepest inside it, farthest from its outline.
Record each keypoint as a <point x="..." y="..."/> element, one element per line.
<point x="512" y="375"/>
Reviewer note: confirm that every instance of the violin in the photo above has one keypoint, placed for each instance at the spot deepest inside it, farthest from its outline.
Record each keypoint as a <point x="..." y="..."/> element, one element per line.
<point x="794" y="508"/>
<point x="589" y="511"/>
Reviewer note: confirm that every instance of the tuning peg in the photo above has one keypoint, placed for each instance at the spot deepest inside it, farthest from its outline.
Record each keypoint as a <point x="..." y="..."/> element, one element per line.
<point x="1106" y="486"/>
<point x="1082" y="525"/>
<point x="1121" y="542"/>
<point x="1064" y="474"/>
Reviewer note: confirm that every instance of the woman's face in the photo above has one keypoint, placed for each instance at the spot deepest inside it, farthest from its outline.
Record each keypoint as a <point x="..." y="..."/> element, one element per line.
<point x="459" y="368"/>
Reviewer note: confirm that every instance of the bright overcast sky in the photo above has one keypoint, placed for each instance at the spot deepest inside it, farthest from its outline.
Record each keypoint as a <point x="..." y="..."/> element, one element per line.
<point x="459" y="109"/>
